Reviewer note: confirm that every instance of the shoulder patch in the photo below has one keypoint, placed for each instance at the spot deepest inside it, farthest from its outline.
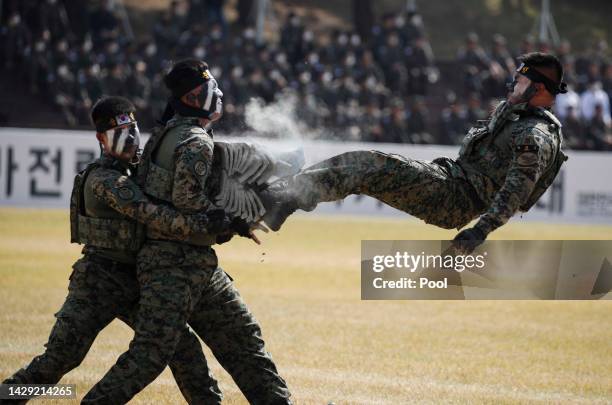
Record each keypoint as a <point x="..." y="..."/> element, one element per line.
<point x="533" y="148"/>
<point x="527" y="159"/>
<point x="125" y="193"/>
<point x="200" y="168"/>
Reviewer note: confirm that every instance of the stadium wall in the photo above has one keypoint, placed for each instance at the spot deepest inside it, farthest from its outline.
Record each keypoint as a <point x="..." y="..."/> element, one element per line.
<point x="37" y="167"/>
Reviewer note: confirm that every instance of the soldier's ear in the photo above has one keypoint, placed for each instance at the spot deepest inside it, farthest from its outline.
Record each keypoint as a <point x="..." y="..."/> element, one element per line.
<point x="540" y="87"/>
<point x="191" y="98"/>
<point x="101" y="137"/>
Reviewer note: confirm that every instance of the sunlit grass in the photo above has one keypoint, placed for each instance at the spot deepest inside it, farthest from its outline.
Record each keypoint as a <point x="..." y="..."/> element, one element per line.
<point x="303" y="284"/>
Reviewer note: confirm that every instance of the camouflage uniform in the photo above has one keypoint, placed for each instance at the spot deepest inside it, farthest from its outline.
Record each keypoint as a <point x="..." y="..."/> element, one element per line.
<point x="103" y="283"/>
<point x="503" y="167"/>
<point x="181" y="282"/>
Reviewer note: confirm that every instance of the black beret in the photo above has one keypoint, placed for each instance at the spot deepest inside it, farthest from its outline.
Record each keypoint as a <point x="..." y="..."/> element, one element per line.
<point x="112" y="111"/>
<point x="185" y="76"/>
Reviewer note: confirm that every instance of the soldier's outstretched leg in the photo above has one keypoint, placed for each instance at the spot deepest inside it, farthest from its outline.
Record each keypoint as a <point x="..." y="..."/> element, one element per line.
<point x="230" y="330"/>
<point x="426" y="190"/>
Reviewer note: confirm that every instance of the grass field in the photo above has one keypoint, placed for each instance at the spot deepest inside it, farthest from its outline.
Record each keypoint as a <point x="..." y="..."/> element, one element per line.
<point x="304" y="286"/>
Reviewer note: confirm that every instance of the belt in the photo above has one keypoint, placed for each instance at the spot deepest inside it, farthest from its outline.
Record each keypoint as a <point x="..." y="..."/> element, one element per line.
<point x="110" y="264"/>
<point x="206" y="246"/>
<point x="195" y="240"/>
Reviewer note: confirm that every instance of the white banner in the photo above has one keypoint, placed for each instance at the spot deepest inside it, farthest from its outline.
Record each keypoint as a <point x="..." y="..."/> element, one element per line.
<point x="37" y="167"/>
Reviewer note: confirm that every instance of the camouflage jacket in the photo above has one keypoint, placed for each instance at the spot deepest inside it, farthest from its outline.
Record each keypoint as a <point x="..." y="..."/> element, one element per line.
<point x="177" y="163"/>
<point x="511" y="160"/>
<point x="176" y="166"/>
<point x="110" y="193"/>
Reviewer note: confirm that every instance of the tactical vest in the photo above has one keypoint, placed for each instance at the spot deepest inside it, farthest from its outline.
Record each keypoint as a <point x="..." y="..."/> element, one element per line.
<point x="548" y="177"/>
<point x="490" y="131"/>
<point x="157" y="182"/>
<point x="119" y="234"/>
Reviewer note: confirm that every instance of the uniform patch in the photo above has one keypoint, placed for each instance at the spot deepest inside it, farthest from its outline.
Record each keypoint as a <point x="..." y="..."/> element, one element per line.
<point x="527" y="148"/>
<point x="125" y="193"/>
<point x="198" y="147"/>
<point x="527" y="159"/>
<point x="199" y="168"/>
<point x="123" y="119"/>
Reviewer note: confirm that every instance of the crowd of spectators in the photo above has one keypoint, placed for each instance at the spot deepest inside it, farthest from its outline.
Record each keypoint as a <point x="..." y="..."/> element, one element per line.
<point x="584" y="110"/>
<point x="348" y="87"/>
<point x="351" y="89"/>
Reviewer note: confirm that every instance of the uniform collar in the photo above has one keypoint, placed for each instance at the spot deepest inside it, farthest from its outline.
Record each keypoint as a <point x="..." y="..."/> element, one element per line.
<point x="180" y="120"/>
<point x="515" y="108"/>
<point x="505" y="112"/>
<point x="109" y="161"/>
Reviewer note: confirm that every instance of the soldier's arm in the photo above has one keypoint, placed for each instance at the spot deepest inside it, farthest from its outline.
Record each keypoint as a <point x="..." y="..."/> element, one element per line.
<point x="532" y="154"/>
<point x="193" y="163"/>
<point x="124" y="196"/>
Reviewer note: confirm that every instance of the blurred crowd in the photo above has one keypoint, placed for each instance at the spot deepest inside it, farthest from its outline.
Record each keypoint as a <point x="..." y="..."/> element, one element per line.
<point x="377" y="87"/>
<point x="584" y="110"/>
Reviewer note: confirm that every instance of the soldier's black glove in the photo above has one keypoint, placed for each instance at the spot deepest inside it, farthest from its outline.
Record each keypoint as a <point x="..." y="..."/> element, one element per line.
<point x="241" y="227"/>
<point x="218" y="221"/>
<point x="467" y="240"/>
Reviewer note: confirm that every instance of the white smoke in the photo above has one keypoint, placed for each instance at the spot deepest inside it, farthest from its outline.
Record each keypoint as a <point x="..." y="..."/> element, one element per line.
<point x="276" y="120"/>
<point x="284" y="118"/>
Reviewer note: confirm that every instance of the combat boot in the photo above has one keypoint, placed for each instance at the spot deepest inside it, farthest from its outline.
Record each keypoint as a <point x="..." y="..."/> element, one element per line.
<point x="9" y="381"/>
<point x="280" y="202"/>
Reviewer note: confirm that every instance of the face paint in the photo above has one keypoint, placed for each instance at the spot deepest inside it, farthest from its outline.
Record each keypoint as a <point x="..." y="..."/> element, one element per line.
<point x="522" y="90"/>
<point x="210" y="98"/>
<point x="123" y="141"/>
<point x="510" y="85"/>
<point x="535" y="76"/>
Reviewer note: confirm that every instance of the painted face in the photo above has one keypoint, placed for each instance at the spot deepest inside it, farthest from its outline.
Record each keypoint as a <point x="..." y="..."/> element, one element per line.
<point x="517" y="92"/>
<point x="210" y="98"/>
<point x="122" y="141"/>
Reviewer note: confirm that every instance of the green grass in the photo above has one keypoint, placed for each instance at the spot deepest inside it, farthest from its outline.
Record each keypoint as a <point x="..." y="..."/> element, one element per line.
<point x="303" y="284"/>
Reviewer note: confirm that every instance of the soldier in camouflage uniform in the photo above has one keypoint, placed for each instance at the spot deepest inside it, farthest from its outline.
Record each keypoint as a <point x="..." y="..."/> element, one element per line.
<point x="107" y="214"/>
<point x="181" y="282"/>
<point x="504" y="166"/>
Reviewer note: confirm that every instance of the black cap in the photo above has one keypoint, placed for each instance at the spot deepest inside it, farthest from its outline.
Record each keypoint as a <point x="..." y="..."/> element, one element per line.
<point x="185" y="76"/>
<point x="112" y="111"/>
<point x="531" y="62"/>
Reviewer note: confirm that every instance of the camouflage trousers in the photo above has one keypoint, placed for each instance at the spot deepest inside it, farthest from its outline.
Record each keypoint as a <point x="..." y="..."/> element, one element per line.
<point x="101" y="290"/>
<point x="182" y="283"/>
<point x="427" y="190"/>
